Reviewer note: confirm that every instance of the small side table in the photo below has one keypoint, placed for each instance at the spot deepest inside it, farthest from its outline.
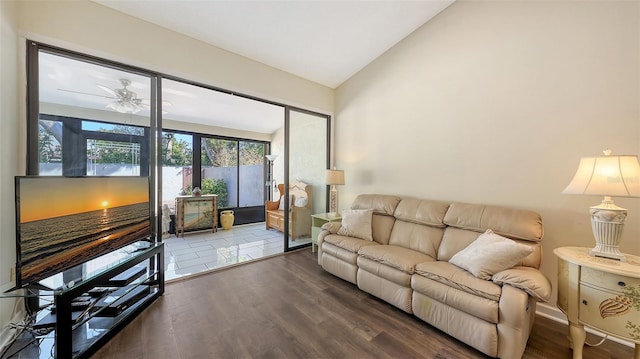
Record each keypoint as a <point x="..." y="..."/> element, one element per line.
<point x="317" y="220"/>
<point x="599" y="293"/>
<point x="196" y="213"/>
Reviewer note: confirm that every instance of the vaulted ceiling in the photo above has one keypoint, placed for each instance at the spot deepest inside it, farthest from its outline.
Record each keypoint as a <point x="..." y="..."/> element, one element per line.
<point x="324" y="41"/>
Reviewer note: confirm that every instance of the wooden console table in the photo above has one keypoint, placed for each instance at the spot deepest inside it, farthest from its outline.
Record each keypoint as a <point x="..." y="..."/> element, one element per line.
<point x="196" y="213"/>
<point x="600" y="293"/>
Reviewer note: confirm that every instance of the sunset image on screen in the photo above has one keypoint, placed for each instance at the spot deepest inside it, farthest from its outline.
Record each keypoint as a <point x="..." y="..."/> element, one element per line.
<point x="65" y="221"/>
<point x="76" y="195"/>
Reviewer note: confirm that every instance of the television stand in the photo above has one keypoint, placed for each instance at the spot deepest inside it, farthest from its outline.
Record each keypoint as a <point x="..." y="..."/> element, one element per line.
<point x="117" y="292"/>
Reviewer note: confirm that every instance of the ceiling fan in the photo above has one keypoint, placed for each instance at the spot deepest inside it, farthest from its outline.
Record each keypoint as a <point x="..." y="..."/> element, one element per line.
<point x="124" y="100"/>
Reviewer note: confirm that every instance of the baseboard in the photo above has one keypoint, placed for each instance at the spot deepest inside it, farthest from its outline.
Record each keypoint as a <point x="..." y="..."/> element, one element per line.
<point x="555" y="314"/>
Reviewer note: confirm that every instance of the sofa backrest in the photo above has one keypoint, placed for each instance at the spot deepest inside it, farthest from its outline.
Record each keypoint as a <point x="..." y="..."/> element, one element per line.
<point x="440" y="229"/>
<point x="419" y="225"/>
<point x="383" y="208"/>
<point x="465" y="222"/>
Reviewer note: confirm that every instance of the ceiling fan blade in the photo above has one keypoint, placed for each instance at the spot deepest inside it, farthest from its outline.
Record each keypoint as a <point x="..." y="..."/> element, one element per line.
<point x="86" y="93"/>
<point x="108" y="90"/>
<point x="164" y="103"/>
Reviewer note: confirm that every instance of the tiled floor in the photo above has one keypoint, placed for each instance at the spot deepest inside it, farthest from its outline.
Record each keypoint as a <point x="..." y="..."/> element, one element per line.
<point x="203" y="251"/>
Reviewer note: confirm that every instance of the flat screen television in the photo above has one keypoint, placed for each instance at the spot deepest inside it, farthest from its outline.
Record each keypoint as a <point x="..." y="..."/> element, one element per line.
<point x="62" y="222"/>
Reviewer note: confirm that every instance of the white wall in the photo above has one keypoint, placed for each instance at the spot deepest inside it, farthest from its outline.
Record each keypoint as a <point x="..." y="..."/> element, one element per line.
<point x="495" y="102"/>
<point x="9" y="158"/>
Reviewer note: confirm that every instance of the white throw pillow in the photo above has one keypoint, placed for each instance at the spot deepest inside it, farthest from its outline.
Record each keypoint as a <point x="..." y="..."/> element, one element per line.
<point x="357" y="223"/>
<point x="281" y="206"/>
<point x="489" y="254"/>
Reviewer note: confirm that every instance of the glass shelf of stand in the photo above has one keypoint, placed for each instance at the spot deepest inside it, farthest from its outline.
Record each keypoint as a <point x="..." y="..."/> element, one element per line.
<point x="59" y="283"/>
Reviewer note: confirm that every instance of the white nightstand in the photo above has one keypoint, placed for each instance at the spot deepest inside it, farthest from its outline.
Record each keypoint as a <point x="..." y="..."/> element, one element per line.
<point x="600" y="293"/>
<point x="317" y="220"/>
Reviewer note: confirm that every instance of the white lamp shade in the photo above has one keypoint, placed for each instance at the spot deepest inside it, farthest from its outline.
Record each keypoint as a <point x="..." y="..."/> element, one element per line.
<point x="335" y="177"/>
<point x="271" y="158"/>
<point x="617" y="176"/>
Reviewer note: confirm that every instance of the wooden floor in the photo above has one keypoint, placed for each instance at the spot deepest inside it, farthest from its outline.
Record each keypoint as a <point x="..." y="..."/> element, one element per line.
<point x="288" y="307"/>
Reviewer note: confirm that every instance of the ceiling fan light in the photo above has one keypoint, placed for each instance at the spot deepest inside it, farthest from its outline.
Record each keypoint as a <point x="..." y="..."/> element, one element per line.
<point x="124" y="107"/>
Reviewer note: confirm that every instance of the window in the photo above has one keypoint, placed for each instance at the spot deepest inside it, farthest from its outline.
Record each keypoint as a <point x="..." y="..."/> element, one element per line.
<point x="81" y="125"/>
<point x="251" y="192"/>
<point x="220" y="170"/>
<point x="177" y="165"/>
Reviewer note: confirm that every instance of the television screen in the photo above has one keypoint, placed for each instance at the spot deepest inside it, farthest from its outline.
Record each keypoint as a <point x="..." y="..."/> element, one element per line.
<point x="66" y="221"/>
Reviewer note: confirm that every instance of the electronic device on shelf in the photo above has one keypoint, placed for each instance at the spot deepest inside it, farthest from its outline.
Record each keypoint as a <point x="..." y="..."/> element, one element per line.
<point x="75" y="306"/>
<point x="126" y="277"/>
<point x="98" y="292"/>
<point x="49" y="320"/>
<point x="115" y="303"/>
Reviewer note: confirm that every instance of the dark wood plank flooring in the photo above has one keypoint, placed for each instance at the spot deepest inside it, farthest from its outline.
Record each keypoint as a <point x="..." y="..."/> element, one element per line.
<point x="288" y="307"/>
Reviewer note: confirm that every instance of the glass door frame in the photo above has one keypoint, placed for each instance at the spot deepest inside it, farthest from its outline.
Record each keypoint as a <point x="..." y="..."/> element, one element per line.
<point x="287" y="154"/>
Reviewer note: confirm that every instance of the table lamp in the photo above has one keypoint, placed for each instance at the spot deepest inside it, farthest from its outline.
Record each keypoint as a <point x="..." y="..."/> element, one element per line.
<point x="271" y="178"/>
<point x="608" y="176"/>
<point x="334" y="177"/>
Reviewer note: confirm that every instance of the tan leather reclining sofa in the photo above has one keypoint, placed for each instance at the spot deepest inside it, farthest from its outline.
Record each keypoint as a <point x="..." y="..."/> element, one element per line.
<point x="407" y="265"/>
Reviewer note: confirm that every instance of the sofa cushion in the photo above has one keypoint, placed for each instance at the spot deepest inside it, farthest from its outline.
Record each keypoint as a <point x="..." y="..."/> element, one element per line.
<point x="348" y="243"/>
<point x="400" y="258"/>
<point x="470" y="303"/>
<point x="509" y="222"/>
<point x="357" y="223"/>
<point x="342" y="254"/>
<point x="430" y="213"/>
<point x="490" y="253"/>
<point x="382" y="225"/>
<point x="453" y="241"/>
<point x="456" y="277"/>
<point x="383" y="207"/>
<point x="381" y="204"/>
<point x="418" y="237"/>
<point x="384" y="271"/>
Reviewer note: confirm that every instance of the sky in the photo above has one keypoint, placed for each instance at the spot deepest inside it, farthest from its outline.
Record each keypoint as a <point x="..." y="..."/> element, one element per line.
<point x="48" y="197"/>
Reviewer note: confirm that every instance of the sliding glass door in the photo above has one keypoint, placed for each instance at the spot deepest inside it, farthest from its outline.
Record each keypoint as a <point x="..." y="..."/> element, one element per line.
<point x="308" y="161"/>
<point x="94" y="117"/>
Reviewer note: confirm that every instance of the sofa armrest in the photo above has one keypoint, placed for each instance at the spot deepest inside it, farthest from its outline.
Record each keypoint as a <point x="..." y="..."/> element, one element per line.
<point x="530" y="280"/>
<point x="332" y="227"/>
<point x="327" y="229"/>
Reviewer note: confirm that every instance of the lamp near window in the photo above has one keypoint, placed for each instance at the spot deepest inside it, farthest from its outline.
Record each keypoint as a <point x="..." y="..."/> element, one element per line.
<point x="271" y="180"/>
<point x="334" y="177"/>
<point x="608" y="176"/>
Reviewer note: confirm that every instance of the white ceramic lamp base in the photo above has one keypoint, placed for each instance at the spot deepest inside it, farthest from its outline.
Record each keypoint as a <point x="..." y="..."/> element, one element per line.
<point x="333" y="201"/>
<point x="607" y="222"/>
